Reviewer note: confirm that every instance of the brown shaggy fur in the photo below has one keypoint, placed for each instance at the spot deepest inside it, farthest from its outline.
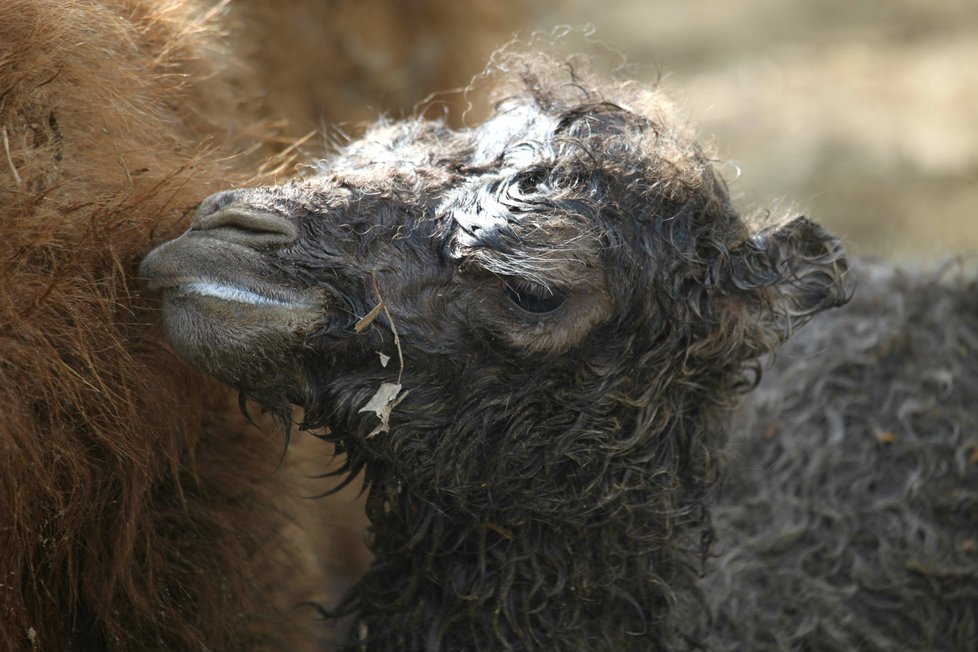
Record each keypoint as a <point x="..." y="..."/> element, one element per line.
<point x="315" y="62"/>
<point x="138" y="510"/>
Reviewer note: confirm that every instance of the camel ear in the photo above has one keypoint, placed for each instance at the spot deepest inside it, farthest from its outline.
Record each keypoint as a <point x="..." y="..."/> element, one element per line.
<point x="787" y="273"/>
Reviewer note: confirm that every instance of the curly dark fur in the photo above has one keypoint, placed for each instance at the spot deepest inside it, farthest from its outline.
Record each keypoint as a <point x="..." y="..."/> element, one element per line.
<point x="563" y="307"/>
<point x="850" y="517"/>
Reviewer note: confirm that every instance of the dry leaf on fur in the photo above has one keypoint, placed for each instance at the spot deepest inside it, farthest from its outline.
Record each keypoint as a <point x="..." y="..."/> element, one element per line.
<point x="381" y="403"/>
<point x="368" y="319"/>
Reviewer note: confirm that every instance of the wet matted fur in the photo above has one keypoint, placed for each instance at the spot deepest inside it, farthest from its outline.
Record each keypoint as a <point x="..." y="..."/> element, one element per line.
<point x="529" y="335"/>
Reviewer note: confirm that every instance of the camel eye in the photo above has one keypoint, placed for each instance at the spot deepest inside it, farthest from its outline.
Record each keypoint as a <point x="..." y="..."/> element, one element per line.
<point x="532" y="298"/>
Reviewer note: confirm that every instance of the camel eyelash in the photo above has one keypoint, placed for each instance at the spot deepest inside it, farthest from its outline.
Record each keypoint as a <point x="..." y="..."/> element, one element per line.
<point x="533" y="298"/>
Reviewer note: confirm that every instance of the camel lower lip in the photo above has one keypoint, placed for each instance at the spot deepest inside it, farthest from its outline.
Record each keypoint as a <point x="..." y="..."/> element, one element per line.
<point x="233" y="294"/>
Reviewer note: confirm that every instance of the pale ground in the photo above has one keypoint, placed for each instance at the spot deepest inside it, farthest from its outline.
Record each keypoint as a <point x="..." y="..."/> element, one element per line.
<point x="862" y="115"/>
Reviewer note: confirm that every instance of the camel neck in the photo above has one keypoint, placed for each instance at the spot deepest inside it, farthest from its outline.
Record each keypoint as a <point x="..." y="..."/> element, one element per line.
<point x="448" y="580"/>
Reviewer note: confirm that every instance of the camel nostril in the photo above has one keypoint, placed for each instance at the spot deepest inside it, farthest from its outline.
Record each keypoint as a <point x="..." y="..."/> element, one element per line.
<point x="220" y="217"/>
<point x="216" y="202"/>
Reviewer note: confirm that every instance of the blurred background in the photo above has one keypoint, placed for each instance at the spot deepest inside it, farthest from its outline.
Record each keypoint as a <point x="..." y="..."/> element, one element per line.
<point x="863" y="115"/>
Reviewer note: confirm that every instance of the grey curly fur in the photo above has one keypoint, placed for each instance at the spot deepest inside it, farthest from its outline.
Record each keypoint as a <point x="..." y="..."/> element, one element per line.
<point x="578" y="307"/>
<point x="849" y="516"/>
